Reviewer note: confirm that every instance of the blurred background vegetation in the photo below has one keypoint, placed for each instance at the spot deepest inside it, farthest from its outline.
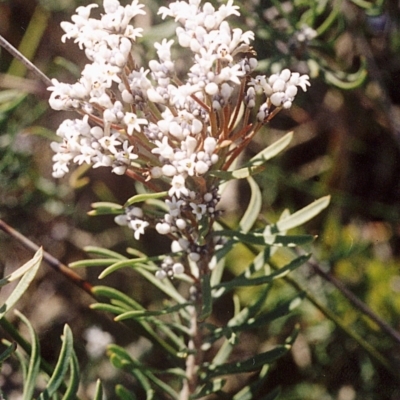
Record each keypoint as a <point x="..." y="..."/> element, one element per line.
<point x="347" y="144"/>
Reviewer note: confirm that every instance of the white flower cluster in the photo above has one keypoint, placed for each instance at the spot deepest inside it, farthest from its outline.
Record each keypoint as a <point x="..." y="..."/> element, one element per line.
<point x="148" y="124"/>
<point x="280" y="89"/>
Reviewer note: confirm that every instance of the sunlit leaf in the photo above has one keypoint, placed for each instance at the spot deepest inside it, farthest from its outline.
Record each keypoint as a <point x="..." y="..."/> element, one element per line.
<point x="23" y="284"/>
<point x="62" y="365"/>
<point x="34" y="359"/>
<point x="98" y="394"/>
<point x="250" y="392"/>
<point x="253" y="209"/>
<point x="298" y="218"/>
<point x="100" y="251"/>
<point x="255" y="165"/>
<point x="131" y="263"/>
<point x="20" y="271"/>
<point x="145" y="313"/>
<point x="143" y="197"/>
<point x="73" y="385"/>
<point x="207" y="298"/>
<point x="105" y="208"/>
<point x="97" y="262"/>
<point x="111" y="293"/>
<point x="209" y="388"/>
<point x="105" y="307"/>
<point x="271" y="151"/>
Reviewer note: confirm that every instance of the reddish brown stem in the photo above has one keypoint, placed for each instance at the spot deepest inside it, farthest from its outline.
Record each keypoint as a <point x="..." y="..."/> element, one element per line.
<point x="52" y="261"/>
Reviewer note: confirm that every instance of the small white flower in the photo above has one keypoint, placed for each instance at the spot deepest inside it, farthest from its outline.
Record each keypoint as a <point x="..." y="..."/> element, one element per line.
<point x="174" y="206"/>
<point x="133" y="122"/>
<point x="198" y="210"/>
<point x="110" y="143"/>
<point x="138" y="226"/>
<point x="178" y="187"/>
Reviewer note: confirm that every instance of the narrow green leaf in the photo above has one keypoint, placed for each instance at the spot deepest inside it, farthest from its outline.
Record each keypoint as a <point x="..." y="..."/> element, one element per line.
<point x="250" y="392"/>
<point x="141" y="326"/>
<point x="34" y="360"/>
<point x="298" y="218"/>
<point x="207" y="298"/>
<point x="111" y="293"/>
<point x="143" y="197"/>
<point x="122" y="360"/>
<point x="242" y="280"/>
<point x="9" y="98"/>
<point x="291" y="240"/>
<point x="131" y="263"/>
<point x="107" y="308"/>
<point x="98" y="262"/>
<point x="145" y="313"/>
<point x="164" y="285"/>
<point x="272" y="150"/>
<point x="121" y="353"/>
<point x="98" y="395"/>
<point x="253" y="209"/>
<point x="281" y="310"/>
<point x="251" y="364"/>
<point x="8" y="352"/>
<point x="256" y="238"/>
<point x="21" y="357"/>
<point x="212" y="387"/>
<point x="257" y="264"/>
<point x="124" y="394"/>
<point x="62" y="365"/>
<point x="241" y="173"/>
<point x="100" y="251"/>
<point x="142" y="379"/>
<point x="19" y="272"/>
<point x="23" y="283"/>
<point x="255" y="165"/>
<point x="217" y="272"/>
<point x="106" y="208"/>
<point x="73" y="385"/>
<point x="160" y="385"/>
<point x="224" y="352"/>
<point x="246" y="319"/>
<point x="348" y="81"/>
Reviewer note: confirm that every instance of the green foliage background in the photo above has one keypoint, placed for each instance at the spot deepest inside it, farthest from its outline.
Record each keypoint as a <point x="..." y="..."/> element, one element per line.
<point x="347" y="142"/>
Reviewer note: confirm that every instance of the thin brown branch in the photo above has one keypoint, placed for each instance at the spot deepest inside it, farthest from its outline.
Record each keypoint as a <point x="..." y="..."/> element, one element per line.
<point x="28" y="64"/>
<point x="356" y="301"/>
<point x="52" y="261"/>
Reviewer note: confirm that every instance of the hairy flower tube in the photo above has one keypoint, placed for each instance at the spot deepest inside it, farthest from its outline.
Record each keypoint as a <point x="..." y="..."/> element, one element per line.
<point x="168" y="132"/>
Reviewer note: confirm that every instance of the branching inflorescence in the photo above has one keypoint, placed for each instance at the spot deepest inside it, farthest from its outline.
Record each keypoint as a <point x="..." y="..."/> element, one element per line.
<point x="167" y="133"/>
